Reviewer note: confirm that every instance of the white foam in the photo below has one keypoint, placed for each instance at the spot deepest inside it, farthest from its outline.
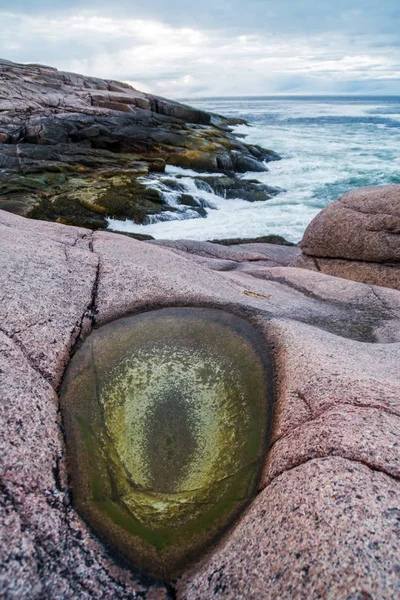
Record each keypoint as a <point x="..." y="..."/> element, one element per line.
<point x="321" y="160"/>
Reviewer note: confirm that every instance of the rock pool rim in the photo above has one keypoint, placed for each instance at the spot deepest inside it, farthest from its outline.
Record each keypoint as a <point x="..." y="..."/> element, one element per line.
<point x="249" y="333"/>
<point x="240" y="310"/>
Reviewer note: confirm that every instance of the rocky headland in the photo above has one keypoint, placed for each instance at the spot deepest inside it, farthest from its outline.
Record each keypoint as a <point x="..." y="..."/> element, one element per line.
<point x="75" y="149"/>
<point x="322" y="520"/>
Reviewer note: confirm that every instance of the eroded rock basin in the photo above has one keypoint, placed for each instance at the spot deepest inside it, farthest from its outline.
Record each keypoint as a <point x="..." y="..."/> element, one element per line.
<point x="167" y="417"/>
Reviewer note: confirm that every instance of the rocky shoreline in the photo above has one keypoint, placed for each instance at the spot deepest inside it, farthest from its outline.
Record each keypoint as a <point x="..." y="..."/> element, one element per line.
<point x="77" y="150"/>
<point x="324" y="522"/>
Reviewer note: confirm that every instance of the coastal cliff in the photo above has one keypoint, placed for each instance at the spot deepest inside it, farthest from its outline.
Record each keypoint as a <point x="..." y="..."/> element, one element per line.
<point x="75" y="149"/>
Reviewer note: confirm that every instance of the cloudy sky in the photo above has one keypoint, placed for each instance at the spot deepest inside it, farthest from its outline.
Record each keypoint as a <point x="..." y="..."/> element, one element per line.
<point x="185" y="48"/>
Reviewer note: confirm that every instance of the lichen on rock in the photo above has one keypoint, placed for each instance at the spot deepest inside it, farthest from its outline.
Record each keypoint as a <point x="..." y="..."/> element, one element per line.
<point x="167" y="417"/>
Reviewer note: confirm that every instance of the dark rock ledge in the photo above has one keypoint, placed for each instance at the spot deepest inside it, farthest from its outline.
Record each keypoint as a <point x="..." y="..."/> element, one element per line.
<point x="72" y="147"/>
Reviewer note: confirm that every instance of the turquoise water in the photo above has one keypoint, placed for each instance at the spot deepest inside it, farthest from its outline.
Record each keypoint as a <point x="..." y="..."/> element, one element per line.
<point x="329" y="145"/>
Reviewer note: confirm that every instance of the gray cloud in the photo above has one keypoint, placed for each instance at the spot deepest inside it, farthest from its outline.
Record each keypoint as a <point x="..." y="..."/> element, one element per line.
<point x="181" y="48"/>
<point x="302" y="16"/>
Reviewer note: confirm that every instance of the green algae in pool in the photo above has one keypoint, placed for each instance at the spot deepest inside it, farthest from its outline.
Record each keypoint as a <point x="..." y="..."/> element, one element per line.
<point x="167" y="416"/>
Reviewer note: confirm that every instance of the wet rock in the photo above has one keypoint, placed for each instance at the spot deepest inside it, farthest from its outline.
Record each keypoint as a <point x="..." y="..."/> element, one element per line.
<point x="264" y="154"/>
<point x="265" y="239"/>
<point x="234" y="187"/>
<point x="243" y="163"/>
<point x="174" y="184"/>
<point x="226" y="122"/>
<point x="167" y="417"/>
<point x="188" y="200"/>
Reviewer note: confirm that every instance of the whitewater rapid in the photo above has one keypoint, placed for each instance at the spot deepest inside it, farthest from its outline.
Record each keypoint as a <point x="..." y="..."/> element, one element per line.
<point x="328" y="146"/>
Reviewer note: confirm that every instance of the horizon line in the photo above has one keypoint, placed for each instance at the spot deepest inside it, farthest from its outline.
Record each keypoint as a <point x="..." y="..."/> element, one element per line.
<point x="260" y="96"/>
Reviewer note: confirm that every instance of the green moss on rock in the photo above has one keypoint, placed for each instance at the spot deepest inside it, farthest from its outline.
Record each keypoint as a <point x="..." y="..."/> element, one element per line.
<point x="167" y="416"/>
<point x="127" y="198"/>
<point x="67" y="211"/>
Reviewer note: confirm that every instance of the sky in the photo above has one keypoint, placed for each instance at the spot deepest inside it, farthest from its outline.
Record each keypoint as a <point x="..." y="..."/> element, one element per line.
<point x="203" y="48"/>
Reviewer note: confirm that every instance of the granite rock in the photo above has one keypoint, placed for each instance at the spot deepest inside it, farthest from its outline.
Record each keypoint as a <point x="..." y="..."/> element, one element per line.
<point x="325" y="520"/>
<point x="383" y="274"/>
<point x="325" y="529"/>
<point x="357" y="237"/>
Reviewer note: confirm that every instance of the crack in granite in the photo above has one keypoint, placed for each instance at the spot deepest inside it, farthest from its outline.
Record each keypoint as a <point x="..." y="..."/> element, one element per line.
<point x="316" y="415"/>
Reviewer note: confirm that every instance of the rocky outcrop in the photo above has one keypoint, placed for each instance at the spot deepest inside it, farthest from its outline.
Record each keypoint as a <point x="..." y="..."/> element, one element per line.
<point x="233" y="187"/>
<point x="357" y="237"/>
<point x="72" y="147"/>
<point x="324" y="523"/>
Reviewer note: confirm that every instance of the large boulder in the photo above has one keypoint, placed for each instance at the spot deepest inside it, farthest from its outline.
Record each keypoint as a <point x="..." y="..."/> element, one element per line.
<point x="357" y="237"/>
<point x="325" y="521"/>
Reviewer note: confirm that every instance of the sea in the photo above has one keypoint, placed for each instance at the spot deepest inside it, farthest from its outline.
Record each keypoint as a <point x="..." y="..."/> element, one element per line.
<point x="329" y="145"/>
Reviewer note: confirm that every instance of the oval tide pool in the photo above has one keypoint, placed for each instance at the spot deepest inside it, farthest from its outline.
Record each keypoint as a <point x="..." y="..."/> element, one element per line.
<point x="167" y="417"/>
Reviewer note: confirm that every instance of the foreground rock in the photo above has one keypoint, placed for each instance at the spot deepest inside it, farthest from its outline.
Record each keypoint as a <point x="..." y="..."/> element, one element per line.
<point x="325" y="520"/>
<point x="357" y="237"/>
<point x="174" y="404"/>
<point x="73" y="148"/>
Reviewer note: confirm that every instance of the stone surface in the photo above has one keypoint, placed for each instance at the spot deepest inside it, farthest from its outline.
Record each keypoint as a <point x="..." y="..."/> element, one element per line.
<point x="264" y="239"/>
<point x="234" y="187"/>
<point x="325" y="521"/>
<point x="383" y="274"/>
<point x="357" y="237"/>
<point x="45" y="300"/>
<point x="253" y="258"/>
<point x="326" y="529"/>
<point x="209" y="250"/>
<point x="308" y="361"/>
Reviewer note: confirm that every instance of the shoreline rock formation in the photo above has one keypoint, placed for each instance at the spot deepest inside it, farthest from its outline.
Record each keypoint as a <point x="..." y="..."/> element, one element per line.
<point x="325" y="521"/>
<point x="357" y="237"/>
<point x="74" y="149"/>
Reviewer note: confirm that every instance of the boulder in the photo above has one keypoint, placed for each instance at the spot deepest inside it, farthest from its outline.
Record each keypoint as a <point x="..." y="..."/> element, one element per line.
<point x="235" y="187"/>
<point x="357" y="237"/>
<point x="324" y="523"/>
<point x="384" y="274"/>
